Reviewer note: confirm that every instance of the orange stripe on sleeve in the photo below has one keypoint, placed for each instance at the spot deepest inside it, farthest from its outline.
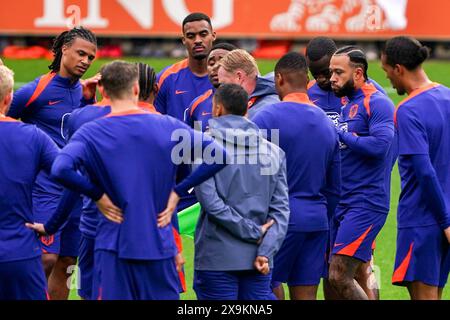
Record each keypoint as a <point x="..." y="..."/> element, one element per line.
<point x="368" y="89"/>
<point x="171" y="70"/>
<point x="42" y="84"/>
<point x="202" y="98"/>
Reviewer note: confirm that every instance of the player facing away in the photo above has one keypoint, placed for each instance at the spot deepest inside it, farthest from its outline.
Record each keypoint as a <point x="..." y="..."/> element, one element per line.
<point x="318" y="55"/>
<point x="89" y="215"/>
<point x="239" y="67"/>
<point x="46" y="102"/>
<point x="200" y="110"/>
<point x="184" y="81"/>
<point x="311" y="145"/>
<point x="422" y="260"/>
<point x="24" y="151"/>
<point x="366" y="134"/>
<point x="130" y="157"/>
<point x="245" y="207"/>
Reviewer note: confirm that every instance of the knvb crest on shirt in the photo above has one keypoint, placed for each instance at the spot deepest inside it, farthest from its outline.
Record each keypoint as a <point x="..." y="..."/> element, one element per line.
<point x="353" y="111"/>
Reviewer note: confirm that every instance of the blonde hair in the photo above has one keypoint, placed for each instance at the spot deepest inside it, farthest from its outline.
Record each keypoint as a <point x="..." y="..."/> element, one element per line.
<point x="239" y="59"/>
<point x="6" y="81"/>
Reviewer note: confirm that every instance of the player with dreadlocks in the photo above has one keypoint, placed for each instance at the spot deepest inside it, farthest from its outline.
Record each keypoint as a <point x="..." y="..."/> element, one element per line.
<point x="46" y="102"/>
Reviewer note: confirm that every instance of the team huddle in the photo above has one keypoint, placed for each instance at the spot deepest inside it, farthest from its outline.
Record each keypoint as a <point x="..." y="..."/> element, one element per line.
<point x="293" y="176"/>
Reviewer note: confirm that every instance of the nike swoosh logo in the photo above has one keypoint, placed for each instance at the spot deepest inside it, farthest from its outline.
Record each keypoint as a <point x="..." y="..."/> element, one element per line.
<point x="338" y="244"/>
<point x="314" y="101"/>
<point x="205" y="113"/>
<point x="51" y="103"/>
<point x="180" y="91"/>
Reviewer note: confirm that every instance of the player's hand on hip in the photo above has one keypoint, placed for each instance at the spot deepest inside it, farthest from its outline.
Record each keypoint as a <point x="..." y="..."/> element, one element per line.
<point x="165" y="217"/>
<point x="109" y="210"/>
<point x="179" y="261"/>
<point x="447" y="233"/>
<point x="262" y="265"/>
<point x="89" y="86"/>
<point x="38" y="227"/>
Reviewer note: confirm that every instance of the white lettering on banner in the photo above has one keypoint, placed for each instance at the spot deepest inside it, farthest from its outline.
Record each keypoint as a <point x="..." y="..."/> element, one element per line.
<point x="142" y="11"/>
<point x="94" y="19"/>
<point x="222" y="12"/>
<point x="53" y="14"/>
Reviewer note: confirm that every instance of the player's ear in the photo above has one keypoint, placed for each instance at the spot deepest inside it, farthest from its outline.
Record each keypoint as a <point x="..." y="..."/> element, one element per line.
<point x="399" y="69"/>
<point x="279" y="79"/>
<point x="136" y="89"/>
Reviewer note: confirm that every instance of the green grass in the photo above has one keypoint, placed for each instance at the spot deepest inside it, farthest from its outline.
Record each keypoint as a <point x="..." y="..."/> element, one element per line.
<point x="27" y="70"/>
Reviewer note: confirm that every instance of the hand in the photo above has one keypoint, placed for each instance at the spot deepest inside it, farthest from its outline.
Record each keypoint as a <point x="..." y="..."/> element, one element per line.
<point x="179" y="262"/>
<point x="262" y="265"/>
<point x="447" y="233"/>
<point x="165" y="217"/>
<point x="264" y="229"/>
<point x="38" y="227"/>
<point x="109" y="210"/>
<point x="89" y="86"/>
<point x="266" y="226"/>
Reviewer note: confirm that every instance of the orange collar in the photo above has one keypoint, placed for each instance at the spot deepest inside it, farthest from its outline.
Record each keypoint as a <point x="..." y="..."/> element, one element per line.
<point x="298" y="98"/>
<point x="127" y="112"/>
<point x="147" y="106"/>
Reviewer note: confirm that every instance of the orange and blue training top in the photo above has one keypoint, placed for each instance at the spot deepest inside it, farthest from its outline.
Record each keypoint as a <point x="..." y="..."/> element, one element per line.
<point x="24" y="150"/>
<point x="47" y="102"/>
<point x="199" y="111"/>
<point x="422" y="122"/>
<point x="178" y="87"/>
<point x="312" y="157"/>
<point x="367" y="149"/>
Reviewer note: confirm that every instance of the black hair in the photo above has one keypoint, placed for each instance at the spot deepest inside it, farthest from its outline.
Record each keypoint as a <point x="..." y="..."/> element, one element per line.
<point x="233" y="98"/>
<point x="405" y="51"/>
<point x="225" y="46"/>
<point x="147" y="80"/>
<point x="292" y="62"/>
<point x="67" y="38"/>
<point x="320" y="47"/>
<point x="357" y="58"/>
<point x="196" y="16"/>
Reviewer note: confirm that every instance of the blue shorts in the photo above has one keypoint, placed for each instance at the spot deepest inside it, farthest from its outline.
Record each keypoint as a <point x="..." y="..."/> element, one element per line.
<point x="301" y="260"/>
<point x="86" y="267"/>
<point x="354" y="231"/>
<point x="126" y="279"/>
<point x="232" y="285"/>
<point x="66" y="241"/>
<point x="422" y="255"/>
<point x="23" y="280"/>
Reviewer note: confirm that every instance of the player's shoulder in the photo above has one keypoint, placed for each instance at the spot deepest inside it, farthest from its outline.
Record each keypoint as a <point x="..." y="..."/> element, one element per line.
<point x="417" y="97"/>
<point x="171" y="71"/>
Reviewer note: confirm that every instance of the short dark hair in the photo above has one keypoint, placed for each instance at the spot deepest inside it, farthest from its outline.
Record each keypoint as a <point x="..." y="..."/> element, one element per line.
<point x="233" y="98"/>
<point x="196" y="16"/>
<point x="67" y="38"/>
<point x="118" y="78"/>
<point x="147" y="80"/>
<point x="292" y="62"/>
<point x="320" y="47"/>
<point x="405" y="51"/>
<point x="357" y="58"/>
<point x="225" y="46"/>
